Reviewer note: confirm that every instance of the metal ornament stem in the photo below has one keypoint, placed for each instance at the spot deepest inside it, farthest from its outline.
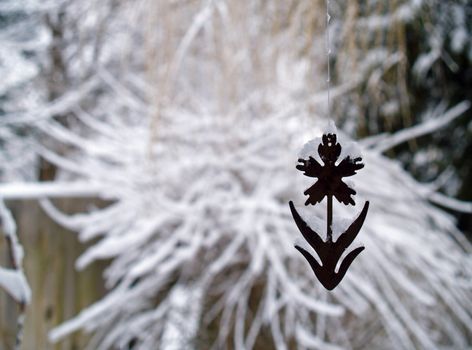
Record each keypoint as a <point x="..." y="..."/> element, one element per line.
<point x="329" y="223"/>
<point x="330" y="184"/>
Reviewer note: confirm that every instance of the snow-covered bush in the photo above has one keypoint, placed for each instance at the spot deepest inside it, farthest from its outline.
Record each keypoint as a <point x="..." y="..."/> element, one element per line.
<point x="204" y="225"/>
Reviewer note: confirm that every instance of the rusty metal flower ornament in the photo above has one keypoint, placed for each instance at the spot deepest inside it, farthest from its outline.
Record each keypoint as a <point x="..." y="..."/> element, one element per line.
<point x="330" y="184"/>
<point x="330" y="175"/>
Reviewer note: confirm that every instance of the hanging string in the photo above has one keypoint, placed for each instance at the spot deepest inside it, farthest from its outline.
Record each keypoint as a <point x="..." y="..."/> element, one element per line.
<point x="328" y="54"/>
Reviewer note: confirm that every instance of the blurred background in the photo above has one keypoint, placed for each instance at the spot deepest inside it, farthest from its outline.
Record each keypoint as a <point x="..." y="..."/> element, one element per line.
<point x="148" y="152"/>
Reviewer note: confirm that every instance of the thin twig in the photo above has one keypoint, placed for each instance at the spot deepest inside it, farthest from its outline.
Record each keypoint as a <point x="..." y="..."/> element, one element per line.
<point x="15" y="261"/>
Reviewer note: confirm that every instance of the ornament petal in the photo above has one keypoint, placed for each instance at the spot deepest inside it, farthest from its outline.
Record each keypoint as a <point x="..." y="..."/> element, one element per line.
<point x="349" y="166"/>
<point x="316" y="192"/>
<point x="310" y="167"/>
<point x="343" y="193"/>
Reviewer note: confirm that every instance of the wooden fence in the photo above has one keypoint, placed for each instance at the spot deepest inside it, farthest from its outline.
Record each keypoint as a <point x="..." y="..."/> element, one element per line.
<point x="59" y="291"/>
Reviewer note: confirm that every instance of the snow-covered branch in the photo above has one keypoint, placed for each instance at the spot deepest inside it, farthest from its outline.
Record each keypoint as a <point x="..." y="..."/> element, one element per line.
<point x="59" y="106"/>
<point x="38" y="190"/>
<point x="430" y="125"/>
<point x="13" y="279"/>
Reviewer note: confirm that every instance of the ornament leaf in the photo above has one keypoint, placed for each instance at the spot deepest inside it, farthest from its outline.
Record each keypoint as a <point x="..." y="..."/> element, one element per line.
<point x="353" y="230"/>
<point x="310" y="236"/>
<point x="346" y="263"/>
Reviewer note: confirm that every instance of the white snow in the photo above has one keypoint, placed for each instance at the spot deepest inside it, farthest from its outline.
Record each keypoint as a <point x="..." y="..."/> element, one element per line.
<point x="339" y="226"/>
<point x="348" y="147"/>
<point x="310" y="149"/>
<point x="14" y="282"/>
<point x="330" y="128"/>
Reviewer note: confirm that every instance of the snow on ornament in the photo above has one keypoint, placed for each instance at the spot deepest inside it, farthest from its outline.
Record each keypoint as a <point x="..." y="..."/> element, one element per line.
<point x="330" y="184"/>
